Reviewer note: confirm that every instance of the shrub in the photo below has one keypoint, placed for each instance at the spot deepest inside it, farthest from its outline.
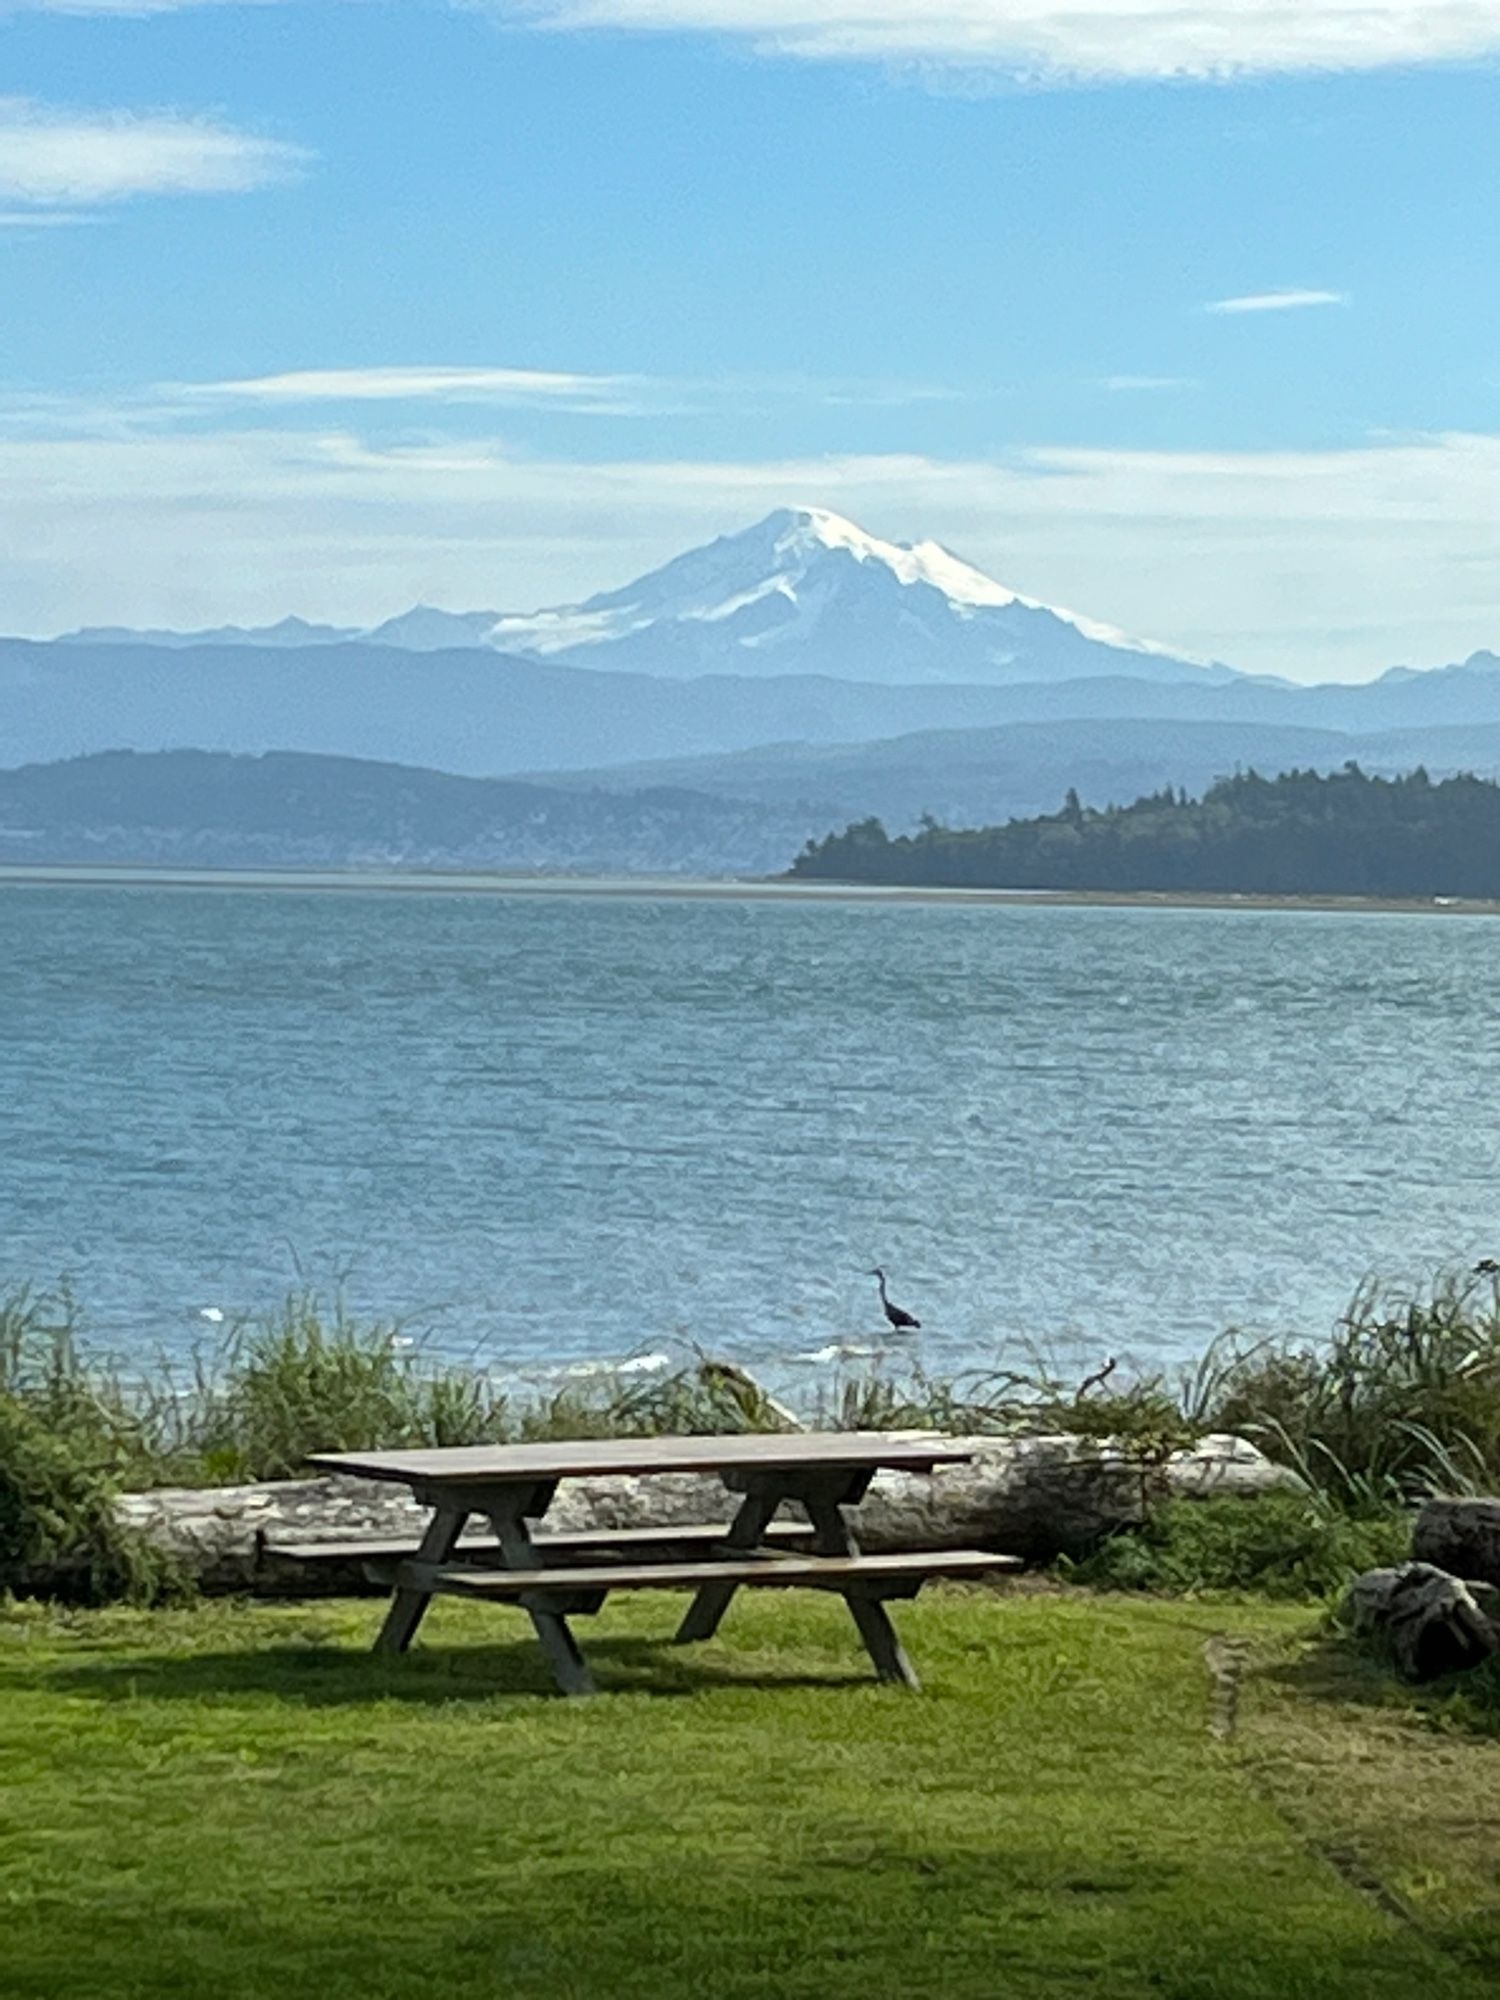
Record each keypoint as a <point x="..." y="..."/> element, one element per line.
<point x="1280" y="1545"/>
<point x="57" y="1517"/>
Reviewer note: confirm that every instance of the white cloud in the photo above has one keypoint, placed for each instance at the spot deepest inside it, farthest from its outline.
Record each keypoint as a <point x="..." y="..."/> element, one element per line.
<point x="1334" y="563"/>
<point x="625" y="395"/>
<point x="515" y="386"/>
<point x="1275" y="302"/>
<point x="1095" y="40"/>
<point x="1042" y="40"/>
<point x="41" y="218"/>
<point x="58" y="158"/>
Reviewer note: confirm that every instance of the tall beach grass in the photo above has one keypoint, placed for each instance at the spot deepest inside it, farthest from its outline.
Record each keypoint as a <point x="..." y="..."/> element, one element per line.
<point x="1401" y="1401"/>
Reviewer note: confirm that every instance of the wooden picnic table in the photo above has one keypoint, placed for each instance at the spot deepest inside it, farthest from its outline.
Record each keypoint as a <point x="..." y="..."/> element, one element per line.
<point x="554" y="1576"/>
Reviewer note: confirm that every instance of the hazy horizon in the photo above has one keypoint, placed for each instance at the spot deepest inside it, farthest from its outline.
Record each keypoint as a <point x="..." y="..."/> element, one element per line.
<point x="371" y="626"/>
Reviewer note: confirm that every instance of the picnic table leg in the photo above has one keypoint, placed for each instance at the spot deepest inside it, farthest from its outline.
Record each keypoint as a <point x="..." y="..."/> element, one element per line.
<point x="409" y="1607"/>
<point x="508" y="1514"/>
<point x="564" y="1654"/>
<point x="836" y="1538"/>
<point x="881" y="1643"/>
<point x="705" y="1613"/>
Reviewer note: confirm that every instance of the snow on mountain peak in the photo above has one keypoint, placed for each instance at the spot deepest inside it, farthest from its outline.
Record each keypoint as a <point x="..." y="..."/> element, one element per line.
<point x="807" y="591"/>
<point x="939" y="568"/>
<point x="810" y="528"/>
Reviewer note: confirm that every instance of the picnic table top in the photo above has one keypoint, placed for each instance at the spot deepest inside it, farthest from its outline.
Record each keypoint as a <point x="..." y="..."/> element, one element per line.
<point x="489" y="1464"/>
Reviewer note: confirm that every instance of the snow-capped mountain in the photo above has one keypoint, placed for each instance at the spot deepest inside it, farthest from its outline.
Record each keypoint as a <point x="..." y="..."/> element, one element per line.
<point x="806" y="592"/>
<point x="803" y="592"/>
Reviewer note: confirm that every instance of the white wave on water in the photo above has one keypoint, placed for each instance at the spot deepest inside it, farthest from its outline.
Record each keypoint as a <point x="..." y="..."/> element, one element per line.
<point x="839" y="1350"/>
<point x="632" y="1364"/>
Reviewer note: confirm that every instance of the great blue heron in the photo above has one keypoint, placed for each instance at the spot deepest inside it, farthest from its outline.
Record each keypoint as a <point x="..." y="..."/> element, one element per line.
<point x="901" y="1320"/>
<point x="1098" y="1379"/>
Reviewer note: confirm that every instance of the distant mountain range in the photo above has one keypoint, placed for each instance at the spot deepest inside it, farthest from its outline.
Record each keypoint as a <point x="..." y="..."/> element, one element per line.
<point x="286" y="632"/>
<point x="803" y="591"/>
<point x="710" y="716"/>
<point x="976" y="777"/>
<point x="485" y="714"/>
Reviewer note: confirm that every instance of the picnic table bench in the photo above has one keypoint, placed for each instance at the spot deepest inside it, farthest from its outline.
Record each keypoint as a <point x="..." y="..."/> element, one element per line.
<point x="554" y="1576"/>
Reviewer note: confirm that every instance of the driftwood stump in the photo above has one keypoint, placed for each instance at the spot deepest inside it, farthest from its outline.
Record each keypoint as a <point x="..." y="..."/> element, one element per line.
<point x="1431" y="1623"/>
<point x="1460" y="1536"/>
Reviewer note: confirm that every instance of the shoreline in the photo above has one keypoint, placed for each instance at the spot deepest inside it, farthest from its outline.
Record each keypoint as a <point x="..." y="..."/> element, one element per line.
<point x="767" y="889"/>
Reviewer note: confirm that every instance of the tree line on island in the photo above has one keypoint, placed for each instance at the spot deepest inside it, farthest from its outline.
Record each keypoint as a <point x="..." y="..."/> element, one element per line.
<point x="1303" y="833"/>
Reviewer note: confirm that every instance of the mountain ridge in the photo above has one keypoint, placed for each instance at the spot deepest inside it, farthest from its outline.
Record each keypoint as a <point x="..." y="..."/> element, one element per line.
<point x="478" y="713"/>
<point x="973" y="777"/>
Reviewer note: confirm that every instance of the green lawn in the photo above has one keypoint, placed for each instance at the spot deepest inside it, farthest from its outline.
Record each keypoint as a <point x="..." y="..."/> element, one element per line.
<point x="233" y="1802"/>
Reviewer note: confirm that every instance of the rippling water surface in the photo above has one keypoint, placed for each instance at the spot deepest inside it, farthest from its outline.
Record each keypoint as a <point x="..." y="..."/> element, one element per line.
<point x="555" y="1129"/>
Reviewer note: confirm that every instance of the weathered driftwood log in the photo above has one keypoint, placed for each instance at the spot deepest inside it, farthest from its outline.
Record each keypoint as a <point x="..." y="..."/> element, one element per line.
<point x="1460" y="1536"/>
<point x="1432" y="1623"/>
<point x="1034" y="1497"/>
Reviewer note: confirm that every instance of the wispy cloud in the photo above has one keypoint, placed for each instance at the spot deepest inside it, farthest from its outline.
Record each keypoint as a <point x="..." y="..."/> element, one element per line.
<point x="1145" y="385"/>
<point x="890" y="395"/>
<point x="41" y="218"/>
<point x="549" y="388"/>
<point x="58" y="159"/>
<point x="1091" y="40"/>
<point x="1276" y="302"/>
<point x="618" y="395"/>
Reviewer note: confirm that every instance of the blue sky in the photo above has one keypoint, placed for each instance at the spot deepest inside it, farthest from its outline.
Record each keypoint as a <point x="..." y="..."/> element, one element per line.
<point x="1183" y="316"/>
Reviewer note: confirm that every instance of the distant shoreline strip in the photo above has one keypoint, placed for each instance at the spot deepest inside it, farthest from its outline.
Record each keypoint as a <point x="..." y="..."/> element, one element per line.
<point x="694" y="889"/>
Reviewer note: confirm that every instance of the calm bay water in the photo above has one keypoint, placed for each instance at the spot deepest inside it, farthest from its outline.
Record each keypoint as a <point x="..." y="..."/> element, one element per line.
<point x="551" y="1130"/>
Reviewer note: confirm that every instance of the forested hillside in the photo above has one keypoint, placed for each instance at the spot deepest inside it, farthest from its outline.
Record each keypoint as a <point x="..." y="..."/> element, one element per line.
<point x="207" y="809"/>
<point x="1348" y="834"/>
